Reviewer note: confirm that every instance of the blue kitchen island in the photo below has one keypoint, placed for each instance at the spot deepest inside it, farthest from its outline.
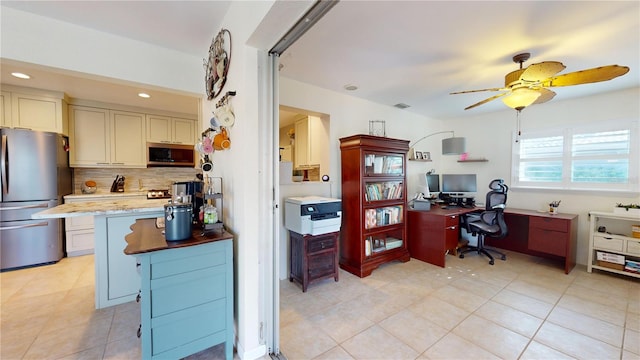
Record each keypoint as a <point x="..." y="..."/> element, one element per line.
<point x="186" y="291"/>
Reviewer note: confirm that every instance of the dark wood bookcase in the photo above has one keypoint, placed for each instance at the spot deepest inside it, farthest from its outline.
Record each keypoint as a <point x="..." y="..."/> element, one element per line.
<point x="374" y="209"/>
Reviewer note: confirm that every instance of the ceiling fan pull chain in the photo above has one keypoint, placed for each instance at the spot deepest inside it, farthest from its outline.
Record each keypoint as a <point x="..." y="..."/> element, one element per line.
<point x="518" y="126"/>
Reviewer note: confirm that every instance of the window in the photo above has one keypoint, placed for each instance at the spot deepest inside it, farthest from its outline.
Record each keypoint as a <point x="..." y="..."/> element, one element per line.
<point x="602" y="157"/>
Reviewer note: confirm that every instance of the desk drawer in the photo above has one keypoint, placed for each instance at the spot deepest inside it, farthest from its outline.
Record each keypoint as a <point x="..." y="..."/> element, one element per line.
<point x="549" y="223"/>
<point x="548" y="241"/>
<point x="608" y="243"/>
<point x="320" y="243"/>
<point x="451" y="220"/>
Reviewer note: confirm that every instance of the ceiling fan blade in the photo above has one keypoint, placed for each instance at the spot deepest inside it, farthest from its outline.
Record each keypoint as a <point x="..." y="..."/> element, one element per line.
<point x="545" y="95"/>
<point x="472" y="91"/>
<point x="541" y="71"/>
<point x="602" y="73"/>
<point x="486" y="100"/>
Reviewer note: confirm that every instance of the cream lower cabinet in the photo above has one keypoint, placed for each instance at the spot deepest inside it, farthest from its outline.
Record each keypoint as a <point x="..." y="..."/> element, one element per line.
<point x="170" y="130"/>
<point x="34" y="109"/>
<point x="79" y="230"/>
<point x="106" y="138"/>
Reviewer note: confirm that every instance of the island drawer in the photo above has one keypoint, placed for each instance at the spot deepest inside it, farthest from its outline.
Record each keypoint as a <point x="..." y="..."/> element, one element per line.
<point x="187" y="259"/>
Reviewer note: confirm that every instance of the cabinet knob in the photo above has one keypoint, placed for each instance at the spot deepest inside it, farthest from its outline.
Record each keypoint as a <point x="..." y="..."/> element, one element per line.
<point x="139" y="332"/>
<point x="138" y="297"/>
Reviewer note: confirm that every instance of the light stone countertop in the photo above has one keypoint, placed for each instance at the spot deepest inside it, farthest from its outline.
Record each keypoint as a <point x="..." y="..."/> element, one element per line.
<point x="107" y="195"/>
<point x="102" y="207"/>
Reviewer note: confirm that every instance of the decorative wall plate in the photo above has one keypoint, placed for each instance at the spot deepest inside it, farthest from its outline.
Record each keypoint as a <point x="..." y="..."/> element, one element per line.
<point x="217" y="65"/>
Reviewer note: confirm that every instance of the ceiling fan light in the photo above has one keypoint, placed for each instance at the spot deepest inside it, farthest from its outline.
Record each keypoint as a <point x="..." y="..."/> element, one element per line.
<point x="521" y="98"/>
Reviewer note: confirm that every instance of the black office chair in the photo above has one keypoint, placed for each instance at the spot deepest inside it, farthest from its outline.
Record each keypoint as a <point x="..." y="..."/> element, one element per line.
<point x="490" y="222"/>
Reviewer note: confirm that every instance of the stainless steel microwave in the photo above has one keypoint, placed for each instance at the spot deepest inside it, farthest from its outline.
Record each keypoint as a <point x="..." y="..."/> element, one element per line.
<point x="161" y="154"/>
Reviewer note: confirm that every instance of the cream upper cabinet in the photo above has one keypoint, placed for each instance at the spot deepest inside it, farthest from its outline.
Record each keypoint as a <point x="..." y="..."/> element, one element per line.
<point x="170" y="130"/>
<point x="5" y="109"/>
<point x="311" y="145"/>
<point x="34" y="109"/>
<point x="128" y="145"/>
<point x="89" y="137"/>
<point x="183" y="131"/>
<point x="106" y="138"/>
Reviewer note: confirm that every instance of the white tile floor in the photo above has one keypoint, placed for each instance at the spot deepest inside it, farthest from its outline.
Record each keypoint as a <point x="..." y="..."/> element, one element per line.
<point x="524" y="308"/>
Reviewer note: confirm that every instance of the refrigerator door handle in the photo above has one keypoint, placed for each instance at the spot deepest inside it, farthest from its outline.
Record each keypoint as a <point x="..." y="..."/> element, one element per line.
<point x="3" y="166"/>
<point x="43" y="205"/>
<point x="43" y="223"/>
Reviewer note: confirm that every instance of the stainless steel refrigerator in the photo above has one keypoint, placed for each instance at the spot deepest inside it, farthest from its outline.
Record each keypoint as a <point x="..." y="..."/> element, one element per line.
<point x="34" y="176"/>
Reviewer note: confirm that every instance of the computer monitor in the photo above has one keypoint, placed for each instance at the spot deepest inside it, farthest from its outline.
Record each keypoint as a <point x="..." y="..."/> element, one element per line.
<point x="459" y="185"/>
<point x="433" y="184"/>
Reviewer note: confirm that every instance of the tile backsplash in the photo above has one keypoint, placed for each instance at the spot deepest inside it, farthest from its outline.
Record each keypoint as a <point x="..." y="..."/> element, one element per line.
<point x="135" y="179"/>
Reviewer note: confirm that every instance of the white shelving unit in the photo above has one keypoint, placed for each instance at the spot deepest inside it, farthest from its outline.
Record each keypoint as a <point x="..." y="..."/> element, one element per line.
<point x="616" y="239"/>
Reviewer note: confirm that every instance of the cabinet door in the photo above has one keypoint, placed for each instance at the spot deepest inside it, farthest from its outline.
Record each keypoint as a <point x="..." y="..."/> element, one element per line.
<point x="36" y="112"/>
<point x="301" y="147"/>
<point x="127" y="141"/>
<point x="158" y="129"/>
<point x="89" y="136"/>
<point x="183" y="131"/>
<point x="5" y="109"/>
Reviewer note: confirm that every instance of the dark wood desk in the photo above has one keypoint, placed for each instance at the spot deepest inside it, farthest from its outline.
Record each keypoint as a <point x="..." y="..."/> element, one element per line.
<point x="431" y="234"/>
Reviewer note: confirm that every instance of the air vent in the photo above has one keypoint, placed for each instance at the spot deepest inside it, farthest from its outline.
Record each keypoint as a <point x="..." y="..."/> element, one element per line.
<point x="402" y="106"/>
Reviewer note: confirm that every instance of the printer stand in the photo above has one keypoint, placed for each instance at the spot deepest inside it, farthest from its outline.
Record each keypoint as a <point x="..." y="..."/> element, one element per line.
<point x="313" y="257"/>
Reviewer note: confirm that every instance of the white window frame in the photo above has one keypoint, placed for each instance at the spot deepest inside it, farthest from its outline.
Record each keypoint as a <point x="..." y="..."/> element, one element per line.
<point x="631" y="186"/>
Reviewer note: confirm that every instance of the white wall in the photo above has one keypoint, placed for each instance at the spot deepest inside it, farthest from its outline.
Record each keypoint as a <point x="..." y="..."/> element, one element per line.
<point x="488" y="135"/>
<point x="39" y="40"/>
<point x="491" y="136"/>
<point x="44" y="41"/>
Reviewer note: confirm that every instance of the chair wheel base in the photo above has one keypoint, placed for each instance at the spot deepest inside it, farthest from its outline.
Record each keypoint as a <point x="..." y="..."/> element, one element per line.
<point x="461" y="256"/>
<point x="504" y="257"/>
<point x="491" y="262"/>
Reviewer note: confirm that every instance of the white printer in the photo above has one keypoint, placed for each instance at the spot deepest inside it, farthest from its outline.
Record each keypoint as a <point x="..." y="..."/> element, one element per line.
<point x="312" y="215"/>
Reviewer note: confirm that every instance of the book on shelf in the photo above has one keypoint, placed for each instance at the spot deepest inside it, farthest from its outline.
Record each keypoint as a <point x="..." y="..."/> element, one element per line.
<point x="392" y="243"/>
<point x="378" y="245"/>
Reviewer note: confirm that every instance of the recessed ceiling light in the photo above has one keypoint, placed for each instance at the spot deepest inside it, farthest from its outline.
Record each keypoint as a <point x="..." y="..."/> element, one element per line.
<point x="401" y="105"/>
<point x="350" y="87"/>
<point x="20" y="75"/>
<point x="144" y="95"/>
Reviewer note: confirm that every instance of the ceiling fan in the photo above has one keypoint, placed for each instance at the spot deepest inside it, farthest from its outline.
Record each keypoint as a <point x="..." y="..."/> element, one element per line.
<point x="528" y="86"/>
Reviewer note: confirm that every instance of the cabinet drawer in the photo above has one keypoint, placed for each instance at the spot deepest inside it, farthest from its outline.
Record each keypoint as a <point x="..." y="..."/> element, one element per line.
<point x="633" y="247"/>
<point x="184" y="260"/>
<point x="549" y="223"/>
<point x="322" y="265"/>
<point x="79" y="222"/>
<point x="320" y="243"/>
<point x="451" y="220"/>
<point x="182" y="327"/>
<point x="609" y="243"/>
<point x="173" y="293"/>
<point x="548" y="241"/>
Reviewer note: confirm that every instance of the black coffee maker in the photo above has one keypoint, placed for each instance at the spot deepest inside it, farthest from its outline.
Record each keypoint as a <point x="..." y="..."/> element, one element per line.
<point x="192" y="188"/>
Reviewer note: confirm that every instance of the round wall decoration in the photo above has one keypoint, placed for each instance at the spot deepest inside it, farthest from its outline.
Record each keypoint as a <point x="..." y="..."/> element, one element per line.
<point x="217" y="65"/>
